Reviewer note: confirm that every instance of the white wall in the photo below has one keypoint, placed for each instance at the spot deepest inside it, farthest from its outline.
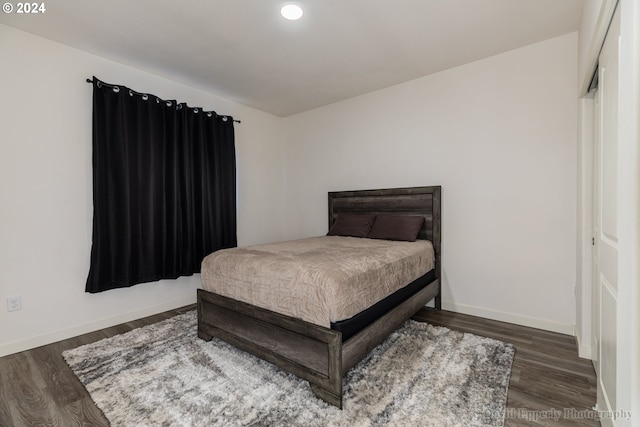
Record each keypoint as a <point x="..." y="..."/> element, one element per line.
<point x="46" y="196"/>
<point x="588" y="25"/>
<point x="499" y="135"/>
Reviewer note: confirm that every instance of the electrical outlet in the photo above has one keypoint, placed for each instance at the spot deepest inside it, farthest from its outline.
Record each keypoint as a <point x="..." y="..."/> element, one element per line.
<point x="14" y="303"/>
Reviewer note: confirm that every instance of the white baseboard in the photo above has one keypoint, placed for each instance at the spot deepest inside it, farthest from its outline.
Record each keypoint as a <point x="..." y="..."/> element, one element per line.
<point x="502" y="316"/>
<point x="584" y="350"/>
<point x="37" y="341"/>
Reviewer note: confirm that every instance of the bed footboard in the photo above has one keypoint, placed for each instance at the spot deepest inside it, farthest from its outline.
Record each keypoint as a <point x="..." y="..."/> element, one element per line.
<point x="306" y="350"/>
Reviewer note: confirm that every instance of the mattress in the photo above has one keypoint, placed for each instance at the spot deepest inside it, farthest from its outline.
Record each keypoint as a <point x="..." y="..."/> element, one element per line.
<point x="353" y="325"/>
<point x="318" y="279"/>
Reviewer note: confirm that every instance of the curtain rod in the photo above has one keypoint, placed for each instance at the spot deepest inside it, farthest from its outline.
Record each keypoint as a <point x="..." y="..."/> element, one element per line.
<point x="143" y="95"/>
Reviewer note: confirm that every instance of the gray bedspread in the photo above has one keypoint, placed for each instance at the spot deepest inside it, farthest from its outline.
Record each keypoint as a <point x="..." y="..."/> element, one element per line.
<point x="319" y="279"/>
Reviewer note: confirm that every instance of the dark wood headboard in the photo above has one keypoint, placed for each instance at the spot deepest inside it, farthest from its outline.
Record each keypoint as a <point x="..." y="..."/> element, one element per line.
<point x="423" y="201"/>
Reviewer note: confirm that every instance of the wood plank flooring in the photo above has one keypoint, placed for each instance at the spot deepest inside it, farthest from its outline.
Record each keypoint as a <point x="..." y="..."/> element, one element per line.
<point x="37" y="388"/>
<point x="549" y="385"/>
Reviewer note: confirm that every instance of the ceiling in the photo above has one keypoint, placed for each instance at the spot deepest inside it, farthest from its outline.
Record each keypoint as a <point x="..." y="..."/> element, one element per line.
<point x="245" y="51"/>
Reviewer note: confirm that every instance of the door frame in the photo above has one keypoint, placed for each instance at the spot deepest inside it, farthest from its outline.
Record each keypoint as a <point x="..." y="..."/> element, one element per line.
<point x="628" y="384"/>
<point x="584" y="331"/>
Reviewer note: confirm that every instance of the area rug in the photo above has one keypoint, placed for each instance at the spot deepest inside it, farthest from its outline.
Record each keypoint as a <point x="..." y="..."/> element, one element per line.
<point x="422" y="375"/>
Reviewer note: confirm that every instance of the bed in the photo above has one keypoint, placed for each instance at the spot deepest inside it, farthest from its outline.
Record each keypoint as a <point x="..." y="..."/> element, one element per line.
<point x="314" y="339"/>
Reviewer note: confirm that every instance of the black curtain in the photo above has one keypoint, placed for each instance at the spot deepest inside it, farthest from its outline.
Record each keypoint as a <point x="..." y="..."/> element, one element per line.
<point x="164" y="188"/>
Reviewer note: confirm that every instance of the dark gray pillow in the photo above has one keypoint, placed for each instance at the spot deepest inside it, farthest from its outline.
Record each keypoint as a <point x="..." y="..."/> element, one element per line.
<point x="396" y="227"/>
<point x="355" y="225"/>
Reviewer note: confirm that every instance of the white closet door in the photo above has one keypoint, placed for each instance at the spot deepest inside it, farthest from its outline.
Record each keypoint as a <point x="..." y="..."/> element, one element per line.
<point x="606" y="214"/>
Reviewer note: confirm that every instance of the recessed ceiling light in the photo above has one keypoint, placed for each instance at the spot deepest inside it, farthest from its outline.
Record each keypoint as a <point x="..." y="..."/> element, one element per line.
<point x="291" y="11"/>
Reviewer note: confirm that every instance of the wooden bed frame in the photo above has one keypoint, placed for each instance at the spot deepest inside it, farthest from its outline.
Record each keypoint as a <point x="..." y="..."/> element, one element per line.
<point x="315" y="353"/>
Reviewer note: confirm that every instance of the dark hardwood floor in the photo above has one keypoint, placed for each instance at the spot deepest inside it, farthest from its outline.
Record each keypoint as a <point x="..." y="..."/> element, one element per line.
<point x="549" y="385"/>
<point x="548" y="380"/>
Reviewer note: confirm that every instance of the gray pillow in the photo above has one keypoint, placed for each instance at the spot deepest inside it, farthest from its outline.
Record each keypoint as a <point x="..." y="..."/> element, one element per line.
<point x="355" y="225"/>
<point x="396" y="227"/>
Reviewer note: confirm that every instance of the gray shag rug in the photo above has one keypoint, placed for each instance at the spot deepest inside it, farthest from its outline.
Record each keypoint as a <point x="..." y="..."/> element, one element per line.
<point x="422" y="375"/>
